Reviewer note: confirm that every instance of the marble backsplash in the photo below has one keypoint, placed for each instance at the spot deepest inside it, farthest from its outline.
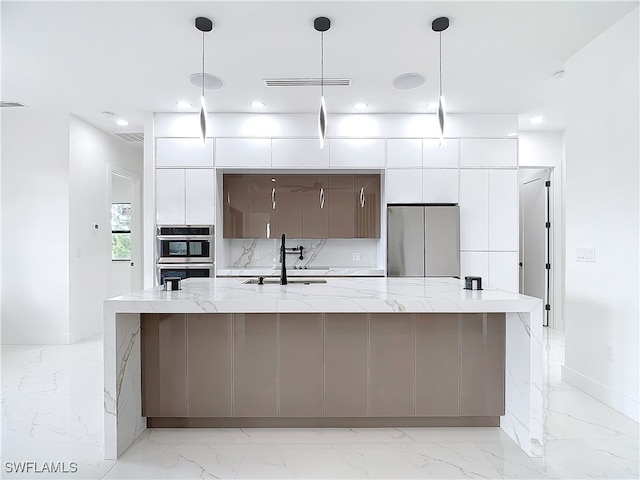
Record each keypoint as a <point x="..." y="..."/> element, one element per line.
<point x="332" y="252"/>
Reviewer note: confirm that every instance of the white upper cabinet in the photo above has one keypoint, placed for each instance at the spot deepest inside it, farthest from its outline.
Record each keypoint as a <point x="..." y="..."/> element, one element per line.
<point x="404" y="152"/>
<point x="200" y="196"/>
<point x="243" y="152"/>
<point x="445" y="156"/>
<point x="488" y="152"/>
<point x="184" y="152"/>
<point x="440" y="185"/>
<point x="185" y="196"/>
<point x="357" y="153"/>
<point x="503" y="210"/>
<point x="300" y="153"/>
<point x="170" y="196"/>
<point x="404" y="185"/>
<point x="474" y="209"/>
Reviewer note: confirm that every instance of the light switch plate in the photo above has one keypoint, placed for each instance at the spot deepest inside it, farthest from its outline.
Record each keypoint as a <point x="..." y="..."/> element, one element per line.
<point x="356" y="256"/>
<point x="586" y="255"/>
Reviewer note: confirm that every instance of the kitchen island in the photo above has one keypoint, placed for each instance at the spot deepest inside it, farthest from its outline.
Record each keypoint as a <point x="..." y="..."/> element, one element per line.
<point x="348" y="352"/>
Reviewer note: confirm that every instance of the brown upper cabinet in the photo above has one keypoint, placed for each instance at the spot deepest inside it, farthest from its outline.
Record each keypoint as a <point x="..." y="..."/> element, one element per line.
<point x="367" y="216"/>
<point x="301" y="206"/>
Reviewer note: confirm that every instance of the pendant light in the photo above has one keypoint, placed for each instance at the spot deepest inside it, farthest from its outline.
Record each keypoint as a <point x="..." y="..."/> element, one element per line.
<point x="322" y="24"/>
<point x="204" y="25"/>
<point x="439" y="25"/>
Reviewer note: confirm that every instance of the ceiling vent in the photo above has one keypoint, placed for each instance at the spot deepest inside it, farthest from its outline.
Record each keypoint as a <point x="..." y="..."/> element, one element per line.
<point x="307" y="82"/>
<point x="130" y="137"/>
<point x="11" y="104"/>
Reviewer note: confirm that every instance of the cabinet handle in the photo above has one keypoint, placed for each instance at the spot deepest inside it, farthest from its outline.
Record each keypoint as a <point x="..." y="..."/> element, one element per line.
<point x="361" y="197"/>
<point x="322" y="198"/>
<point x="273" y="198"/>
<point x="268" y="230"/>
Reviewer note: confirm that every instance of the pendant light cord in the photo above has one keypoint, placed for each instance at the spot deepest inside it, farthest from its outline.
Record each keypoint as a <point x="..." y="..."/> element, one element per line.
<point x="322" y="64"/>
<point x="440" y="63"/>
<point x="203" y="63"/>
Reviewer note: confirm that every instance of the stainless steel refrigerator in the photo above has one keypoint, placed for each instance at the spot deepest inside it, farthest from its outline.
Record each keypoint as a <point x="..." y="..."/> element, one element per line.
<point x="423" y="241"/>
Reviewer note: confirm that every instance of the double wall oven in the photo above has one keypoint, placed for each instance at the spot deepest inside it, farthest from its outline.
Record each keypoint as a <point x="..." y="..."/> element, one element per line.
<point x="184" y="251"/>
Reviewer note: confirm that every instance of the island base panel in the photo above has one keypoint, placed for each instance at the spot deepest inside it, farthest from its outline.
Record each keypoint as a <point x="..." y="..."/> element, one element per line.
<point x="320" y="422"/>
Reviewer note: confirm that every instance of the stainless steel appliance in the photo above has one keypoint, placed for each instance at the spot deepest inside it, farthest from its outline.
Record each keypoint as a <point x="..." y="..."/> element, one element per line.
<point x="423" y="241"/>
<point x="184" y="251"/>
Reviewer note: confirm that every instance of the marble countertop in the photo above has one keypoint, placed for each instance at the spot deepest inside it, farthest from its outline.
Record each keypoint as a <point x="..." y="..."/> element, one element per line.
<point x="361" y="294"/>
<point x="308" y="272"/>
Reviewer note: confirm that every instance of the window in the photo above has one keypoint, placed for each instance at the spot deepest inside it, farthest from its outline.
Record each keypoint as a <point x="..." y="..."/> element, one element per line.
<point x="120" y="231"/>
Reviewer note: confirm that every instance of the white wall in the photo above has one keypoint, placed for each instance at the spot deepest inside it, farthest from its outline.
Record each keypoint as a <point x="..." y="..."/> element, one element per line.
<point x="55" y="184"/>
<point x="35" y="227"/>
<point x="602" y="212"/>
<point x="93" y="154"/>
<point x="547" y="149"/>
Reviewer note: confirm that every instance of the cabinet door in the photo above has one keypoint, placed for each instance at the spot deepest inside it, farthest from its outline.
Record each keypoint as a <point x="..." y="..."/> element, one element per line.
<point x="184" y="152"/>
<point x="236" y="206"/>
<point x="288" y="198"/>
<point x="488" y="152"/>
<point x="440" y="185"/>
<point x="315" y="206"/>
<point x="503" y="210"/>
<point x="164" y="364"/>
<point x="357" y="153"/>
<point x="255" y="354"/>
<point x="437" y="364"/>
<point x="243" y="152"/>
<point x="391" y="364"/>
<point x="262" y="217"/>
<point x="504" y="271"/>
<point x="300" y="153"/>
<point x="170" y="196"/>
<point x="367" y="215"/>
<point x="404" y="152"/>
<point x="436" y="155"/>
<point x="482" y="352"/>
<point x="474" y="209"/>
<point x="404" y="185"/>
<point x="345" y="364"/>
<point x="200" y="196"/>
<point x="301" y="365"/>
<point x="209" y="364"/>
<point x="341" y="206"/>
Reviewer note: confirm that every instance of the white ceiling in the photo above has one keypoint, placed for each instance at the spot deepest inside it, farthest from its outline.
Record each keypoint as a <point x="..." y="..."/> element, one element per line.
<point x="135" y="57"/>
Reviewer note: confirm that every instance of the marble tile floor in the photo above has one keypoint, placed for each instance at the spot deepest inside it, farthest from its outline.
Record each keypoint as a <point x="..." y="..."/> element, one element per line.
<point x="52" y="407"/>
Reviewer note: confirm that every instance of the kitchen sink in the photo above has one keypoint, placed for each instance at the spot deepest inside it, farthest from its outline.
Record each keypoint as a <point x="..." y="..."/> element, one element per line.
<point x="276" y="281"/>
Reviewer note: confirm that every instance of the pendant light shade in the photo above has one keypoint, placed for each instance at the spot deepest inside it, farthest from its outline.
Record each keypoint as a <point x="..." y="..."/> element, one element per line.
<point x="203" y="24"/>
<point x="439" y="25"/>
<point x="322" y="24"/>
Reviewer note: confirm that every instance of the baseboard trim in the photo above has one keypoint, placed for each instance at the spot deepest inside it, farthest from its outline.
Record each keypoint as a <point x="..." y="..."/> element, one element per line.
<point x="319" y="422"/>
<point x="607" y="395"/>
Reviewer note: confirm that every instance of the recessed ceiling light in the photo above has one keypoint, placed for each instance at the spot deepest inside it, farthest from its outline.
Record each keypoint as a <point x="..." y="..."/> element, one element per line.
<point x="537" y="119"/>
<point x="360" y="105"/>
<point x="512" y="134"/>
<point x="122" y="122"/>
<point x="107" y="114"/>
<point x="257" y="104"/>
<point x="559" y="75"/>
<point x="183" y="104"/>
<point x="211" y="82"/>
<point x="407" y="81"/>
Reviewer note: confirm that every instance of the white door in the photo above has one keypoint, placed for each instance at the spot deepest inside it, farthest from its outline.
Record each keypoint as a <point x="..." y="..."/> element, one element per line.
<point x="534" y="278"/>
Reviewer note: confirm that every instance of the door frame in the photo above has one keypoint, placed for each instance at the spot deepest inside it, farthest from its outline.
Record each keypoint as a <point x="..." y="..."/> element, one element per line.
<point x="550" y="317"/>
<point x="136" y="222"/>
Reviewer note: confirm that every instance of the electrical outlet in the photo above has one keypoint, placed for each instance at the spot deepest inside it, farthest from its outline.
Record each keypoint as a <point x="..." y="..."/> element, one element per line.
<point x="256" y="255"/>
<point x="608" y="349"/>
<point x="356" y="256"/>
<point x="586" y="255"/>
